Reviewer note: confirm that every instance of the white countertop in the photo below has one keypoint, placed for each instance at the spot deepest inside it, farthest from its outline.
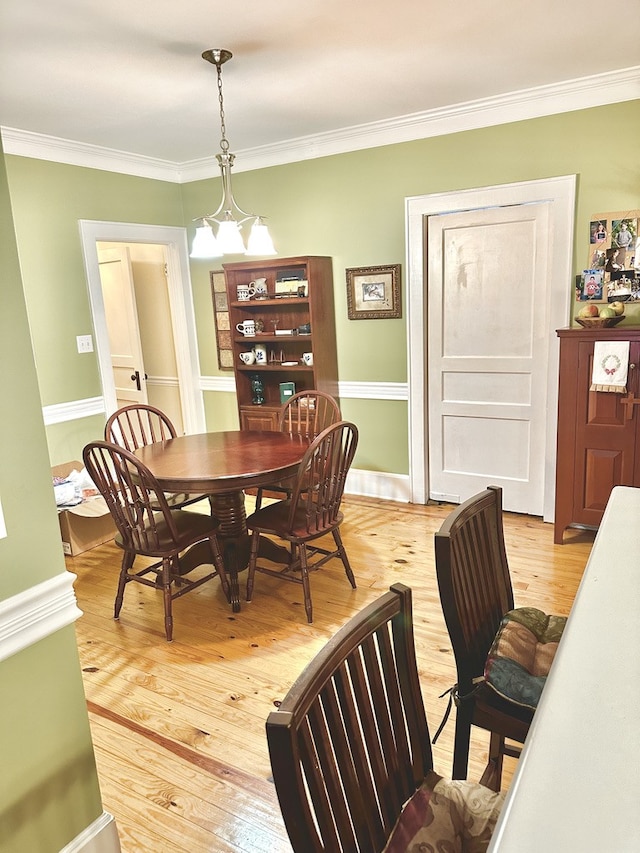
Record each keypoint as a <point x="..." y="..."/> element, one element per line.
<point x="577" y="784"/>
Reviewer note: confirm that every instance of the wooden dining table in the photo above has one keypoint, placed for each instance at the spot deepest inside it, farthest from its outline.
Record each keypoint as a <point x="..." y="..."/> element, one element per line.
<point x="222" y="465"/>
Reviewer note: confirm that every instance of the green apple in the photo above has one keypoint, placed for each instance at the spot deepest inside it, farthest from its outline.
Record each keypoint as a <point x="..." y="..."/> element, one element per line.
<point x="607" y="313"/>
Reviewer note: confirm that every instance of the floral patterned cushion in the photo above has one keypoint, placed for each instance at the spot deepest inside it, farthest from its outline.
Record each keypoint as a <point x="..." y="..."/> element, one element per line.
<point x="521" y="655"/>
<point x="446" y="816"/>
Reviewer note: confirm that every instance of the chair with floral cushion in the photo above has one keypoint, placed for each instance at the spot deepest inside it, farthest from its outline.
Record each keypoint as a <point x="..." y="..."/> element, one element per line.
<point x="351" y="755"/>
<point x="503" y="654"/>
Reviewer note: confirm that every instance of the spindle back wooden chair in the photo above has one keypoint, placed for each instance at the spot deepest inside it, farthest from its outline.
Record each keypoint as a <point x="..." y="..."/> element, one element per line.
<point x="312" y="511"/>
<point x="148" y="527"/>
<point x="140" y="424"/>
<point x="305" y="413"/>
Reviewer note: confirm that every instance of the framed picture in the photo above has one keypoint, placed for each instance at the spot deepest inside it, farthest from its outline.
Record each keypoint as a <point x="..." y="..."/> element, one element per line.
<point x="373" y="293"/>
<point x="591" y="286"/>
<point x="221" y="317"/>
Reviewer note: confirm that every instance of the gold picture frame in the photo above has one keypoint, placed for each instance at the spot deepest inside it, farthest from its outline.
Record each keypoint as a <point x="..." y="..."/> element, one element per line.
<point x="373" y="293"/>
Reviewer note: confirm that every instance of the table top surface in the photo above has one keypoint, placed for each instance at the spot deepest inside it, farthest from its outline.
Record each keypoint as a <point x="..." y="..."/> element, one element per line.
<point x="223" y="461"/>
<point x="577" y="785"/>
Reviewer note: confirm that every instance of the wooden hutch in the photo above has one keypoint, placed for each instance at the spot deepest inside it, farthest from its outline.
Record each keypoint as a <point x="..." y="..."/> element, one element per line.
<point x="297" y="316"/>
<point x="598" y="432"/>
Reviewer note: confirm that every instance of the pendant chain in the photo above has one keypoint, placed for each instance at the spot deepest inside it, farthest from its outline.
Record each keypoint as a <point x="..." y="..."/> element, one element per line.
<point x="224" y="145"/>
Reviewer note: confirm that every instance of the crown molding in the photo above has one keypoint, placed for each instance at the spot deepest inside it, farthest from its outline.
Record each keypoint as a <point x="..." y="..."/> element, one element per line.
<point x="582" y="93"/>
<point x="594" y="91"/>
<point x="39" y="146"/>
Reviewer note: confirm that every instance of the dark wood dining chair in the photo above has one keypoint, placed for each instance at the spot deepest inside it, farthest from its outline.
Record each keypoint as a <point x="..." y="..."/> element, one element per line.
<point x="148" y="527"/>
<point x="476" y="594"/>
<point x="140" y="424"/>
<point x="349" y="747"/>
<point x="312" y="511"/>
<point x="305" y="413"/>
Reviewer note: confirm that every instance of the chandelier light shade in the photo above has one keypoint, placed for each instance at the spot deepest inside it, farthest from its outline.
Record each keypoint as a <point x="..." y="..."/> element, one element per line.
<point x="229" y="216"/>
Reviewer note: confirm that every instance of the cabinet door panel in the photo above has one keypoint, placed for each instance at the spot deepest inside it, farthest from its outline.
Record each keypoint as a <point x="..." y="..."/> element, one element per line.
<point x="602" y="469"/>
<point x="261" y="419"/>
<point x="605" y="444"/>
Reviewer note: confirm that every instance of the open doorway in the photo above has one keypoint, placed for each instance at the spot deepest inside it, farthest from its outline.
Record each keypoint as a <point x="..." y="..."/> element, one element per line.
<point x="138" y="315"/>
<point x="165" y="312"/>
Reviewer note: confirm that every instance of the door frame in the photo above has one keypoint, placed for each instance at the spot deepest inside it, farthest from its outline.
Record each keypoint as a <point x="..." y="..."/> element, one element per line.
<point x="180" y="301"/>
<point x="559" y="192"/>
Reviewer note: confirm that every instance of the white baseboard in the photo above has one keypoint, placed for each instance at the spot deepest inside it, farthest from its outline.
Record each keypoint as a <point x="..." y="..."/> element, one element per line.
<point x="379" y="484"/>
<point x="99" y="837"/>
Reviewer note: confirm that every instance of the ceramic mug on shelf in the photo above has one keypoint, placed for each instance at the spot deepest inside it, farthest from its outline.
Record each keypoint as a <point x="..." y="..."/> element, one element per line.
<point x="244" y="292"/>
<point x="260" y="352"/>
<point x="307" y="358"/>
<point x="248" y="357"/>
<point x="247" y="328"/>
<point x="259" y="287"/>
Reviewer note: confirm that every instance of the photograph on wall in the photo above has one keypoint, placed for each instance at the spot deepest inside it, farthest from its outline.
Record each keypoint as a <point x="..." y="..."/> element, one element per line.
<point x="622" y="286"/>
<point x="598" y="231"/>
<point x="591" y="286"/>
<point x="624" y="233"/>
<point x="616" y="260"/>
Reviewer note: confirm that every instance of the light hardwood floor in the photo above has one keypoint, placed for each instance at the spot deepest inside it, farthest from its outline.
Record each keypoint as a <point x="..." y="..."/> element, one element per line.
<point x="178" y="727"/>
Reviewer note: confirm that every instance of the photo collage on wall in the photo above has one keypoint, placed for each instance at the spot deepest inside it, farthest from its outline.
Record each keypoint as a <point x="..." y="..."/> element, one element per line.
<point x="613" y="264"/>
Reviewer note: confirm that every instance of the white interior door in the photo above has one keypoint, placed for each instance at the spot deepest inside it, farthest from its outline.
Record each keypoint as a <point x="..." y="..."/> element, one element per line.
<point x="557" y="192"/>
<point x="487" y="352"/>
<point x="121" y="315"/>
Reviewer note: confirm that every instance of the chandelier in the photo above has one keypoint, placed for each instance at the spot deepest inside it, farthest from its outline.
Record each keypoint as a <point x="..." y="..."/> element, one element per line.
<point x="229" y="216"/>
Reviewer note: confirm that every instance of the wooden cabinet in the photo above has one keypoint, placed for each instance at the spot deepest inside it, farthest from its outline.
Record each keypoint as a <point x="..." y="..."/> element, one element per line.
<point x="297" y="316"/>
<point x="598" y="432"/>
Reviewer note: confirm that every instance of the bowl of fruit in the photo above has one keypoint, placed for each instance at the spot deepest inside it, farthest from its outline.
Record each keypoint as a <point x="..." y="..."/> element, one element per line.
<point x="593" y="317"/>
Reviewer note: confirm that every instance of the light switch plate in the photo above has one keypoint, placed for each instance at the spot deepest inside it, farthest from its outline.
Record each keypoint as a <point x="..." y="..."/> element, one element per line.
<point x="85" y="343"/>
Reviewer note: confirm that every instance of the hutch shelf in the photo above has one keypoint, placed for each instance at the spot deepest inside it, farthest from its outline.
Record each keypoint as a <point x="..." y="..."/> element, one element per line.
<point x="296" y="316"/>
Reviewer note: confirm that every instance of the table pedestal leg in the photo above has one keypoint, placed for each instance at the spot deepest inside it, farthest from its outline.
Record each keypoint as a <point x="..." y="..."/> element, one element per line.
<point x="235" y="543"/>
<point x="229" y="509"/>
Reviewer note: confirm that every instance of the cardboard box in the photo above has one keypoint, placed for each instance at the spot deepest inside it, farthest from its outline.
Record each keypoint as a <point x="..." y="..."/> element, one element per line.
<point x="86" y="525"/>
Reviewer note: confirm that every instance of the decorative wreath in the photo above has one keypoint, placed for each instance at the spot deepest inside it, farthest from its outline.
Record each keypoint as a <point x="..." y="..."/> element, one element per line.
<point x="616" y="364"/>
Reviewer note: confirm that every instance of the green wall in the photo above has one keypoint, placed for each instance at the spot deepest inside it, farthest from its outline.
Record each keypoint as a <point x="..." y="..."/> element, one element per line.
<point x="48" y="200"/>
<point x="48" y="785"/>
<point x="352" y="207"/>
<point x="349" y="206"/>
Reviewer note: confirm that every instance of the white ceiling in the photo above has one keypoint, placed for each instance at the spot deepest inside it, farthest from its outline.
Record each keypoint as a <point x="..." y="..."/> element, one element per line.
<point x="128" y="74"/>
